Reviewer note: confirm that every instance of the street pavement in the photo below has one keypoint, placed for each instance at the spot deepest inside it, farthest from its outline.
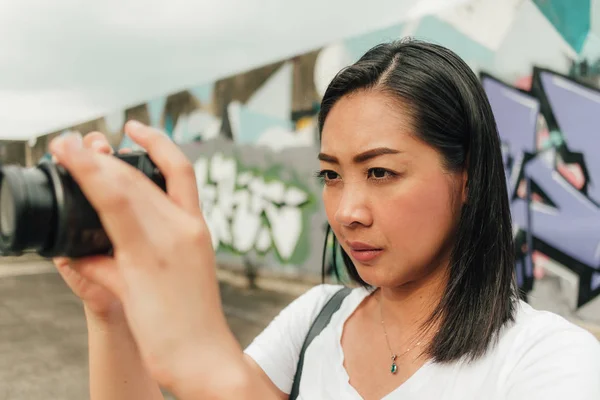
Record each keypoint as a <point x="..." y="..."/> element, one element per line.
<point x="43" y="337"/>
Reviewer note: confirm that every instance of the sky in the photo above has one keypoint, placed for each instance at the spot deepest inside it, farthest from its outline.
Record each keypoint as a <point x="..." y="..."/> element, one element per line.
<point x="67" y="61"/>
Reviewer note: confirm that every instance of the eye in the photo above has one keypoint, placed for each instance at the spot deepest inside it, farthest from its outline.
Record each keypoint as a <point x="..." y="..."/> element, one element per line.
<point x="380" y="173"/>
<point x="331" y="175"/>
<point x="327" y="176"/>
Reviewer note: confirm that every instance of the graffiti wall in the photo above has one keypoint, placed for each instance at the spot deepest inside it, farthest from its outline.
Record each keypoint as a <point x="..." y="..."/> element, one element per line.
<point x="261" y="204"/>
<point x="550" y="137"/>
<point x="253" y="140"/>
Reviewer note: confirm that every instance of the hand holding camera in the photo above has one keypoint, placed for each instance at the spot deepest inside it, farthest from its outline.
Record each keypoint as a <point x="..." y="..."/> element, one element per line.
<point x="128" y="235"/>
<point x="162" y="264"/>
<point x="100" y="304"/>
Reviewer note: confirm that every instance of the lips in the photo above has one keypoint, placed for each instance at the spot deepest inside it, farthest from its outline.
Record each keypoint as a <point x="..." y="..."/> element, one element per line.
<point x="363" y="252"/>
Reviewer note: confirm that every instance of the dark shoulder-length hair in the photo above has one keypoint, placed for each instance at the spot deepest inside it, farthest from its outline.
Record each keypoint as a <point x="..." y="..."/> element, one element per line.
<point x="451" y="113"/>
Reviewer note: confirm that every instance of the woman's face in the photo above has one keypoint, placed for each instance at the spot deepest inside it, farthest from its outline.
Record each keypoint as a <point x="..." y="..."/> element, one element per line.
<point x="388" y="198"/>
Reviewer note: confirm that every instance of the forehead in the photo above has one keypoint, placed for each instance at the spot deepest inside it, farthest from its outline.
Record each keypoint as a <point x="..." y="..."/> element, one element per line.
<point x="363" y="120"/>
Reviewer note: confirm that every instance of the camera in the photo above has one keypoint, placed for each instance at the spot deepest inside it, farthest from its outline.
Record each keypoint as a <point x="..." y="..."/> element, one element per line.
<point x="43" y="210"/>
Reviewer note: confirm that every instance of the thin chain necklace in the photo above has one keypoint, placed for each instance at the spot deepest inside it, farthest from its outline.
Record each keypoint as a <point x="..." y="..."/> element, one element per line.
<point x="394" y="356"/>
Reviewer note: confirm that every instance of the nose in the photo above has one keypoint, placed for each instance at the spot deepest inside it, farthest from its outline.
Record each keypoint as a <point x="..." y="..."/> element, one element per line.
<point x="353" y="209"/>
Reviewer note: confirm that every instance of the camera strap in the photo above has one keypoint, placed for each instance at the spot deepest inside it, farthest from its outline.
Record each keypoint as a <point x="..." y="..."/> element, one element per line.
<point x="318" y="325"/>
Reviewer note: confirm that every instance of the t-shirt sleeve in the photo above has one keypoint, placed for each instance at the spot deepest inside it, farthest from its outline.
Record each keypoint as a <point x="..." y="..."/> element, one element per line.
<point x="562" y="363"/>
<point x="277" y="349"/>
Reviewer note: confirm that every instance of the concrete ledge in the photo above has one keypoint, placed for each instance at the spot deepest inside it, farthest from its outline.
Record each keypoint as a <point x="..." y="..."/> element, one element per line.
<point x="25" y="258"/>
<point x="238" y="279"/>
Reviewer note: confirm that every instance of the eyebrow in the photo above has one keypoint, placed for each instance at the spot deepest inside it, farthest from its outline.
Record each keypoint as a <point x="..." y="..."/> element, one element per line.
<point x="362" y="157"/>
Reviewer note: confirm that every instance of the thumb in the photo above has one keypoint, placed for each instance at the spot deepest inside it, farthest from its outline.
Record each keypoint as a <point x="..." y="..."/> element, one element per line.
<point x="102" y="270"/>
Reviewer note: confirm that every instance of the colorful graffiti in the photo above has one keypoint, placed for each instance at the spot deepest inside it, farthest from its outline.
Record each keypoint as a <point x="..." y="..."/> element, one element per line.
<point x="249" y="210"/>
<point x="550" y="139"/>
<point x="261" y="205"/>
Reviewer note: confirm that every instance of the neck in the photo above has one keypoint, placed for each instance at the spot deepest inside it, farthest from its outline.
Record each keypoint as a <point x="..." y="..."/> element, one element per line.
<point x="406" y="308"/>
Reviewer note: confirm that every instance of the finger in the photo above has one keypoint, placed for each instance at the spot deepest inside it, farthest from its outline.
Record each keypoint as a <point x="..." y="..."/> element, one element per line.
<point x="70" y="277"/>
<point x="102" y="270"/>
<point x="125" y="150"/>
<point x="126" y="201"/>
<point x="61" y="263"/>
<point x="170" y="160"/>
<point x="98" y="142"/>
<point x="75" y="136"/>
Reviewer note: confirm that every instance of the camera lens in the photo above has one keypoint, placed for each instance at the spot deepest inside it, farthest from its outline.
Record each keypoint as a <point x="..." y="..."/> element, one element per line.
<point x="27" y="209"/>
<point x="43" y="210"/>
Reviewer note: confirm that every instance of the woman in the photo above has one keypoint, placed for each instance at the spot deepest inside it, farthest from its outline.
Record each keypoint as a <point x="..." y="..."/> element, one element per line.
<point x="414" y="192"/>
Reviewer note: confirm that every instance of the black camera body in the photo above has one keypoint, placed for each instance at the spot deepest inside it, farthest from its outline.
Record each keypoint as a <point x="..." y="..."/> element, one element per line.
<point x="43" y="210"/>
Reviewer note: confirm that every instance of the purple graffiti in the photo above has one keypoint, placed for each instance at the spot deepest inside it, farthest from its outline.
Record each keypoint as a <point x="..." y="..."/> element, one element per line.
<point x="576" y="109"/>
<point x="516" y="114"/>
<point x="573" y="226"/>
<point x="568" y="224"/>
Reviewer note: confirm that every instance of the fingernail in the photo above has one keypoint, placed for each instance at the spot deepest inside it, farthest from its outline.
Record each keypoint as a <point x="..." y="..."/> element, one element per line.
<point x="133" y="124"/>
<point x="98" y="144"/>
<point x="72" y="142"/>
<point x="66" y="143"/>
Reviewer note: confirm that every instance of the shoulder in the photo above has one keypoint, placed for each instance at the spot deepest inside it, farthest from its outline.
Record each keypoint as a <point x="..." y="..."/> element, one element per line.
<point x="301" y="313"/>
<point x="551" y="352"/>
<point x="314" y="299"/>
<point x="536" y="327"/>
<point x="276" y="350"/>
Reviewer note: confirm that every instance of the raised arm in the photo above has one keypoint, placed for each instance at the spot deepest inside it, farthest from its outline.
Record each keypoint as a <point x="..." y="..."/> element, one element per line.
<point x="163" y="272"/>
<point x="116" y="368"/>
<point x="116" y="371"/>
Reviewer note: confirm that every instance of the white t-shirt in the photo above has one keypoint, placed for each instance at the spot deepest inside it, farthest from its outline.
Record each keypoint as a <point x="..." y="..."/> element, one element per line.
<point x="541" y="356"/>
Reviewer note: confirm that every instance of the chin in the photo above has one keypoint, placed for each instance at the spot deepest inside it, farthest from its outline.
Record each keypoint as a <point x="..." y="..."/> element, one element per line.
<point x="378" y="277"/>
<point x="395" y="275"/>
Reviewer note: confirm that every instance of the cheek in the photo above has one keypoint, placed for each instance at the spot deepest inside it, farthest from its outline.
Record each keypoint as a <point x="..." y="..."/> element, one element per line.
<point x="331" y="201"/>
<point x="422" y="218"/>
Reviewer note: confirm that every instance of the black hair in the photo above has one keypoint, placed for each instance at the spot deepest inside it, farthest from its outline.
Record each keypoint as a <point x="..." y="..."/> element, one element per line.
<point x="451" y="113"/>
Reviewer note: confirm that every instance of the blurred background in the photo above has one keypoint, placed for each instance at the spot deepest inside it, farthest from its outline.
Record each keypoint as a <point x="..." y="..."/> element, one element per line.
<point x="237" y="84"/>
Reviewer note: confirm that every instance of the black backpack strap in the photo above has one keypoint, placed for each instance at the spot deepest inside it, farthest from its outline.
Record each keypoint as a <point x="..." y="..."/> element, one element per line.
<point x="318" y="325"/>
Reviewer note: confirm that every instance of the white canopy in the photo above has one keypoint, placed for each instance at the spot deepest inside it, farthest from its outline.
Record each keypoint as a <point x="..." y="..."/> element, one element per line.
<point x="67" y="61"/>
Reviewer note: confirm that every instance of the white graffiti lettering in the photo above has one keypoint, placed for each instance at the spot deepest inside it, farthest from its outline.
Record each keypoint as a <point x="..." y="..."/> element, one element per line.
<point x="245" y="212"/>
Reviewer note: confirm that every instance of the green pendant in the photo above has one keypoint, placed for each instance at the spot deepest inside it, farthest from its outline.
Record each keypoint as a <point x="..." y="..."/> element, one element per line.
<point x="394" y="368"/>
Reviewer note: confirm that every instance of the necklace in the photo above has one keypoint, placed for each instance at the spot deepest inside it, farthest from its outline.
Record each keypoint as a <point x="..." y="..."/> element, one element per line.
<point x="394" y="356"/>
